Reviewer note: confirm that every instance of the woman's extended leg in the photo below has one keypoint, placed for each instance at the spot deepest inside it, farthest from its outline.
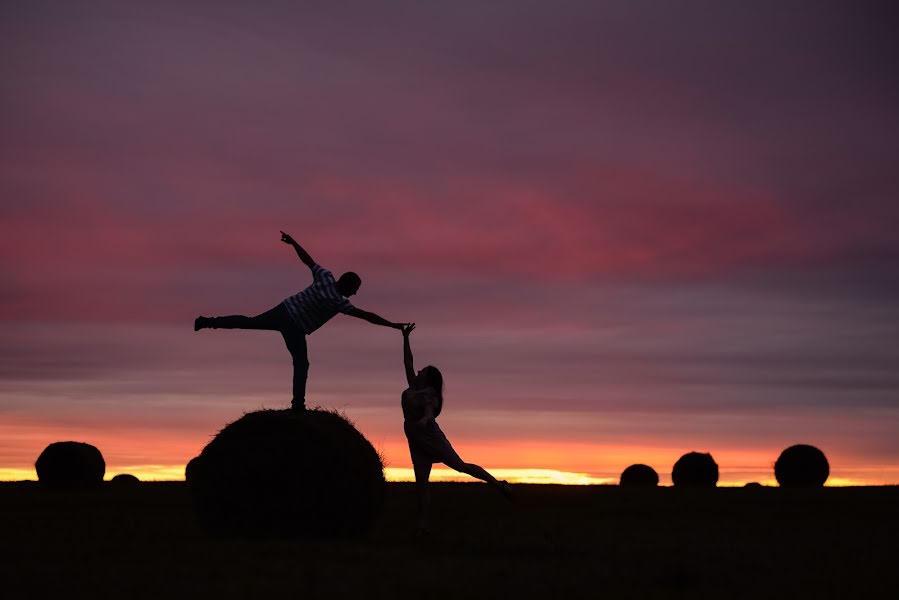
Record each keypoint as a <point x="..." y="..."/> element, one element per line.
<point x="474" y="470"/>
<point x="479" y="472"/>
<point x="422" y="474"/>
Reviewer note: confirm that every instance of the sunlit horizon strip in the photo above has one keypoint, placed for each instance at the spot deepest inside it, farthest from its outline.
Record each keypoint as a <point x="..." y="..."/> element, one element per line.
<point x="444" y="475"/>
<point x="546" y="476"/>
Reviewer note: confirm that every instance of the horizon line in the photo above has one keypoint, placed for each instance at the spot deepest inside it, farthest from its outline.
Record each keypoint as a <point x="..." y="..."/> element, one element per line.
<point x="175" y="473"/>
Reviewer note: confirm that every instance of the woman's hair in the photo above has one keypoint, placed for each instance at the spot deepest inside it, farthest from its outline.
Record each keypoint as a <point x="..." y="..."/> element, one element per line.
<point x="435" y="380"/>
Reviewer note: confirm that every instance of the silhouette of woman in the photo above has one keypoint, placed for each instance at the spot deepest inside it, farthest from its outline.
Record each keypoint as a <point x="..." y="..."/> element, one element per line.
<point x="422" y="402"/>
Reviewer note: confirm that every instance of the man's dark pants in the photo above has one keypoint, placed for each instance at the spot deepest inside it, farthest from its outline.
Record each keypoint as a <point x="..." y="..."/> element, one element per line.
<point x="277" y="319"/>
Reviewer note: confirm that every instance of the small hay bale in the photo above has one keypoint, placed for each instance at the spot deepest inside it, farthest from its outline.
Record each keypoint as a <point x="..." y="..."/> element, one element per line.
<point x="695" y="469"/>
<point x="287" y="474"/>
<point x="753" y="485"/>
<point x="639" y="476"/>
<point x="124" y="480"/>
<point x="67" y="465"/>
<point x="801" y="466"/>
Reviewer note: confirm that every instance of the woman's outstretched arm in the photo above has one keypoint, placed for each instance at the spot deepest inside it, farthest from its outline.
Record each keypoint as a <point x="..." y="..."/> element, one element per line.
<point x="407" y="354"/>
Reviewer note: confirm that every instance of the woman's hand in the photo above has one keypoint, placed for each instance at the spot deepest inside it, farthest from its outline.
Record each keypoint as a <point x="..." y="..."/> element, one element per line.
<point x="407" y="329"/>
<point x="285" y="237"/>
<point x="423" y="422"/>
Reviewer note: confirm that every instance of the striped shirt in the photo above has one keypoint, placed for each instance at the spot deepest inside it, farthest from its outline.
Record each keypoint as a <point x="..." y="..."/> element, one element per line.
<point x="315" y="305"/>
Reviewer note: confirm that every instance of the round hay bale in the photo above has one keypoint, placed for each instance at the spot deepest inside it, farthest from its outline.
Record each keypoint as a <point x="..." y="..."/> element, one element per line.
<point x="70" y="465"/>
<point x="124" y="480"/>
<point x="753" y="485"/>
<point x="695" y="469"/>
<point x="285" y="473"/>
<point x="639" y="476"/>
<point x="801" y="466"/>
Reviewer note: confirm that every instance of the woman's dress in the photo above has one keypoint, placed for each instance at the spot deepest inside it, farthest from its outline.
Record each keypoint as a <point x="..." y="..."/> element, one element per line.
<point x="428" y="444"/>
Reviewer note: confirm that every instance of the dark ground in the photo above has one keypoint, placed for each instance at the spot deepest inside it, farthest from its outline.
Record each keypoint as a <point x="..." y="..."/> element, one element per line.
<point x="593" y="542"/>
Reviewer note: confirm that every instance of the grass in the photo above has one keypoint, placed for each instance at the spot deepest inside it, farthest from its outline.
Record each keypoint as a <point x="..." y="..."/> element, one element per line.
<point x="594" y="541"/>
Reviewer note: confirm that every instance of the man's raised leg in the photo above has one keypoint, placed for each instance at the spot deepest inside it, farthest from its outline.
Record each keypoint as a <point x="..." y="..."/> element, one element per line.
<point x="270" y="320"/>
<point x="276" y="319"/>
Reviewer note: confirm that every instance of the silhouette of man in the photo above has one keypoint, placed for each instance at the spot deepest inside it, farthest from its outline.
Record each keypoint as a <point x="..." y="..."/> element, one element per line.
<point x="301" y="314"/>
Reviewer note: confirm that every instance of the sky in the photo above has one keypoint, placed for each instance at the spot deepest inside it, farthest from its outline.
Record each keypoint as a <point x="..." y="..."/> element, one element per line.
<point x="625" y="230"/>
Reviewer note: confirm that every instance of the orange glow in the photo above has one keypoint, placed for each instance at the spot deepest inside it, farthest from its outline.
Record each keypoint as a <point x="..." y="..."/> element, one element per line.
<point x="511" y="475"/>
<point x="438" y="474"/>
<point x="17" y="475"/>
<point x="156" y="454"/>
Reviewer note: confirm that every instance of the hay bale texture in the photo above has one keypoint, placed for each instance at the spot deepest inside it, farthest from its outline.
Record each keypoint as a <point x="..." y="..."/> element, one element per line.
<point x="287" y="474"/>
<point x="70" y="465"/>
<point x="801" y="466"/>
<point x="639" y="476"/>
<point x="695" y="469"/>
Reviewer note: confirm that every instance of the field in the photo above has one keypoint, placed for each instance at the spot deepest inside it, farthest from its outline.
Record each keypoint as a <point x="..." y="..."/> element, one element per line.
<point x="596" y="541"/>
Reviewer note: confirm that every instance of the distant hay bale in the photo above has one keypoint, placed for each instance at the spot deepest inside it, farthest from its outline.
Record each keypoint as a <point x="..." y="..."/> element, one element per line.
<point x="695" y="469"/>
<point x="70" y="465"/>
<point x="639" y="476"/>
<point x="753" y="485"/>
<point x="124" y="480"/>
<point x="801" y="466"/>
<point x="284" y="473"/>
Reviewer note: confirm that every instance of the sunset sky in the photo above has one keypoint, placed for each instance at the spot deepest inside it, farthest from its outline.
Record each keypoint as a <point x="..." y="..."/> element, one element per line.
<point x="626" y="230"/>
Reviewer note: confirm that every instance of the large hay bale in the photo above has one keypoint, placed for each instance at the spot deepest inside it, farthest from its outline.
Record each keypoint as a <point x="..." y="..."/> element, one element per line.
<point x="801" y="466"/>
<point x="70" y="465"/>
<point x="695" y="469"/>
<point x="639" y="476"/>
<point x="285" y="473"/>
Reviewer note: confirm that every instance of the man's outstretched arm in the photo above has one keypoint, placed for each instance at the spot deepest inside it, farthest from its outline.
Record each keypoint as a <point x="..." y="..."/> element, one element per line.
<point x="373" y="318"/>
<point x="304" y="256"/>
